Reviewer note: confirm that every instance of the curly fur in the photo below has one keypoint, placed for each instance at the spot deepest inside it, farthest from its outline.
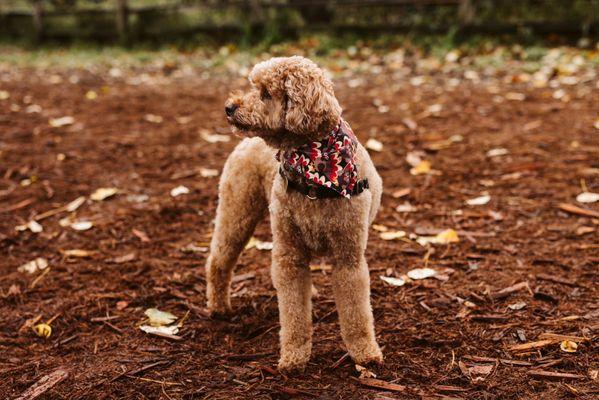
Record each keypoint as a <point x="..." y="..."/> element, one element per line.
<point x="292" y="102"/>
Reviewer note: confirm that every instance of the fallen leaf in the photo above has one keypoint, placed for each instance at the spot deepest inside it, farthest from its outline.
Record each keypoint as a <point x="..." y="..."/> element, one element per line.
<point x="75" y="204"/>
<point x="121" y="305"/>
<point x="43" y="330"/>
<point x="155" y="119"/>
<point x="91" y="95"/>
<point x="422" y="168"/>
<point x="4" y="95"/>
<point x="401" y="193"/>
<point x="479" y="201"/>
<point x="62" y="121"/>
<point x="497" y="152"/>
<point x="568" y="346"/>
<point x="445" y="237"/>
<point x="167" y="330"/>
<point x="208" y="172"/>
<point x="81" y="225"/>
<point x="159" y="318"/>
<point x="517" y="306"/>
<point x="374" y="145"/>
<point x="32" y="225"/>
<point x="213" y="137"/>
<point x="587" y="197"/>
<point x="79" y="253"/>
<point x="179" y="190"/>
<point x="33" y="266"/>
<point x="392" y="235"/>
<point x="364" y="372"/>
<point x="380" y="228"/>
<point x="258" y="244"/>
<point x="421" y="273"/>
<point x="393" y="281"/>
<point x="141" y="235"/>
<point x="515" y="96"/>
<point x="414" y="157"/>
<point x="405" y="208"/>
<point x="103" y="193"/>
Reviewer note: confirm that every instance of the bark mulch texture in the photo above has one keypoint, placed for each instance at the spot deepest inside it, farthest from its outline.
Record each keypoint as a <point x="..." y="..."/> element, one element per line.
<point x="511" y="313"/>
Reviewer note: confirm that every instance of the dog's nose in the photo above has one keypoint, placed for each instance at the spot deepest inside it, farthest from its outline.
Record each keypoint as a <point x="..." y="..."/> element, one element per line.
<point x="230" y="109"/>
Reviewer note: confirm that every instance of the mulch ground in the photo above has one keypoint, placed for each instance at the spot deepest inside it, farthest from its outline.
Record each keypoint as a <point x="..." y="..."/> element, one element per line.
<point x="453" y="337"/>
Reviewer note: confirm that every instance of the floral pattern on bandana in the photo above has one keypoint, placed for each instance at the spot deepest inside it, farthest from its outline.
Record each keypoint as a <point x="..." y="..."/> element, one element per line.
<point x="329" y="162"/>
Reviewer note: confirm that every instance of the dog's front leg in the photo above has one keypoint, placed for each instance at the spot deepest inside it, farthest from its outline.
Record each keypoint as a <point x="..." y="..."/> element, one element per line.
<point x="351" y="287"/>
<point x="291" y="278"/>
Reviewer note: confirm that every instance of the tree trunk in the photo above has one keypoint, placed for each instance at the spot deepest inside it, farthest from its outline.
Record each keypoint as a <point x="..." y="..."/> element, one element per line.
<point x="38" y="20"/>
<point x="466" y="13"/>
<point x="122" y="18"/>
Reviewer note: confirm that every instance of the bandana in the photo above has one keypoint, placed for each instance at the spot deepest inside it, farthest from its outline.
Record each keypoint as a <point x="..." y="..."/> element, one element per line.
<point x="329" y="162"/>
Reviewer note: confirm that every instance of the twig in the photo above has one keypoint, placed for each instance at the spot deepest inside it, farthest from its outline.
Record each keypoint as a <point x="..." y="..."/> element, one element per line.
<point x="18" y="205"/>
<point x="572" y="209"/>
<point x="553" y="375"/>
<point x="44" y="384"/>
<point x="379" y="384"/>
<point x="509" y="290"/>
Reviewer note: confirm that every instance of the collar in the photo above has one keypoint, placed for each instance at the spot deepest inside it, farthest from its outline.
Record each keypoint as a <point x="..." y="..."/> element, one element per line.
<point x="327" y="163"/>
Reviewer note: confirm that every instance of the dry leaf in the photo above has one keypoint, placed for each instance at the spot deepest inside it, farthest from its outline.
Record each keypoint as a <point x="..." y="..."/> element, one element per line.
<point x="393" y="281"/>
<point x="587" y="197"/>
<point x="62" y="121"/>
<point x="159" y="318"/>
<point x="445" y="237"/>
<point x="213" y="137"/>
<point x="4" y="95"/>
<point x="414" y="157"/>
<point x="43" y="330"/>
<point x="91" y="95"/>
<point x="32" y="225"/>
<point x="103" y="193"/>
<point x="405" y="208"/>
<point x="479" y="201"/>
<point x="392" y="235"/>
<point x="258" y="244"/>
<point x="517" y="306"/>
<point x="81" y="225"/>
<point x="364" y="372"/>
<point x="401" y="193"/>
<point x="425" y="167"/>
<point x="374" y="145"/>
<point x="155" y="119"/>
<point x="568" y="346"/>
<point x="75" y="204"/>
<point x="421" y="273"/>
<point x="77" y="253"/>
<point x="121" y="305"/>
<point x="380" y="228"/>
<point x="33" y="266"/>
<point x="167" y="330"/>
<point x="179" y="190"/>
<point x="208" y="172"/>
<point x="515" y="96"/>
<point x="500" y="151"/>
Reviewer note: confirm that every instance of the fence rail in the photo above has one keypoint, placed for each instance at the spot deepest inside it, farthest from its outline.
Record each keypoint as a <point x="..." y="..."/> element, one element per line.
<point x="127" y="23"/>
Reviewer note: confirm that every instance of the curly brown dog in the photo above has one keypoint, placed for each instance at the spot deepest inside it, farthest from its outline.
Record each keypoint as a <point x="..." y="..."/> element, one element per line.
<point x="301" y="162"/>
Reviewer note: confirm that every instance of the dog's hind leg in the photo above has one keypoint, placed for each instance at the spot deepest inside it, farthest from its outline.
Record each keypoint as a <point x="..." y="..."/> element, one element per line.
<point x="243" y="202"/>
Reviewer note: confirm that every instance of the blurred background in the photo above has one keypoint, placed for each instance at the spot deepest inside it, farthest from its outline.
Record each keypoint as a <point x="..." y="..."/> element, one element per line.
<point x="192" y="22"/>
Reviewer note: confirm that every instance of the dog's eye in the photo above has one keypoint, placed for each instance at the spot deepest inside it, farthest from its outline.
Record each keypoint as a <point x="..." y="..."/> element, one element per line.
<point x="265" y="95"/>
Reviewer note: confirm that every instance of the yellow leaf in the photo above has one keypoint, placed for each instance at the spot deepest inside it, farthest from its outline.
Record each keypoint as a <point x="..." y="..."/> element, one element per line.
<point x="43" y="330"/>
<point x="424" y="167"/>
<point x="91" y="95"/>
<point x="568" y="346"/>
<point x="103" y="193"/>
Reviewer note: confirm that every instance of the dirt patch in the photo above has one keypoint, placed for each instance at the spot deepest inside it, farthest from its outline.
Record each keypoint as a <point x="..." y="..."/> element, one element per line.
<point x="450" y="337"/>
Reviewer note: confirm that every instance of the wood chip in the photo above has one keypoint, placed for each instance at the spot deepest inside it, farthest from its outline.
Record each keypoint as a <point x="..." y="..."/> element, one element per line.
<point x="531" y="345"/>
<point x="556" y="279"/>
<point x="572" y="209"/>
<point x="509" y="290"/>
<point x="19" y="205"/>
<point x="558" y="337"/>
<point x="553" y="375"/>
<point x="379" y="384"/>
<point x="44" y="384"/>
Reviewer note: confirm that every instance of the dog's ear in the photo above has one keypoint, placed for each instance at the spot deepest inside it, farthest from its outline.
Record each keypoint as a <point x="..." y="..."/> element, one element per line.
<point x="311" y="104"/>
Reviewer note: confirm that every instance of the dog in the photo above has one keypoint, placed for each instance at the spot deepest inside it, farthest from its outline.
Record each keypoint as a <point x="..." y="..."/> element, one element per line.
<point x="300" y="161"/>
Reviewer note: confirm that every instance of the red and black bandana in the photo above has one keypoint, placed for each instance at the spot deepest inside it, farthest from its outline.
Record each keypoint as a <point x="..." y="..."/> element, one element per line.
<point x="329" y="162"/>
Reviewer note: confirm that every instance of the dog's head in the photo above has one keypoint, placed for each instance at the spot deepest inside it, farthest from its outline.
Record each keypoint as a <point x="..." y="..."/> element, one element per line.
<point x="291" y="102"/>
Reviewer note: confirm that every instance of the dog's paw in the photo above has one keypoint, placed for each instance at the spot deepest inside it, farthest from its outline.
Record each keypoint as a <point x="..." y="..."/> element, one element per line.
<point x="370" y="356"/>
<point x="223" y="312"/>
<point x="288" y="367"/>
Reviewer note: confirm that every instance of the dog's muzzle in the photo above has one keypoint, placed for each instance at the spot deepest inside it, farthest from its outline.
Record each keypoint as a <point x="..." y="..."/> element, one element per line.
<point x="230" y="109"/>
